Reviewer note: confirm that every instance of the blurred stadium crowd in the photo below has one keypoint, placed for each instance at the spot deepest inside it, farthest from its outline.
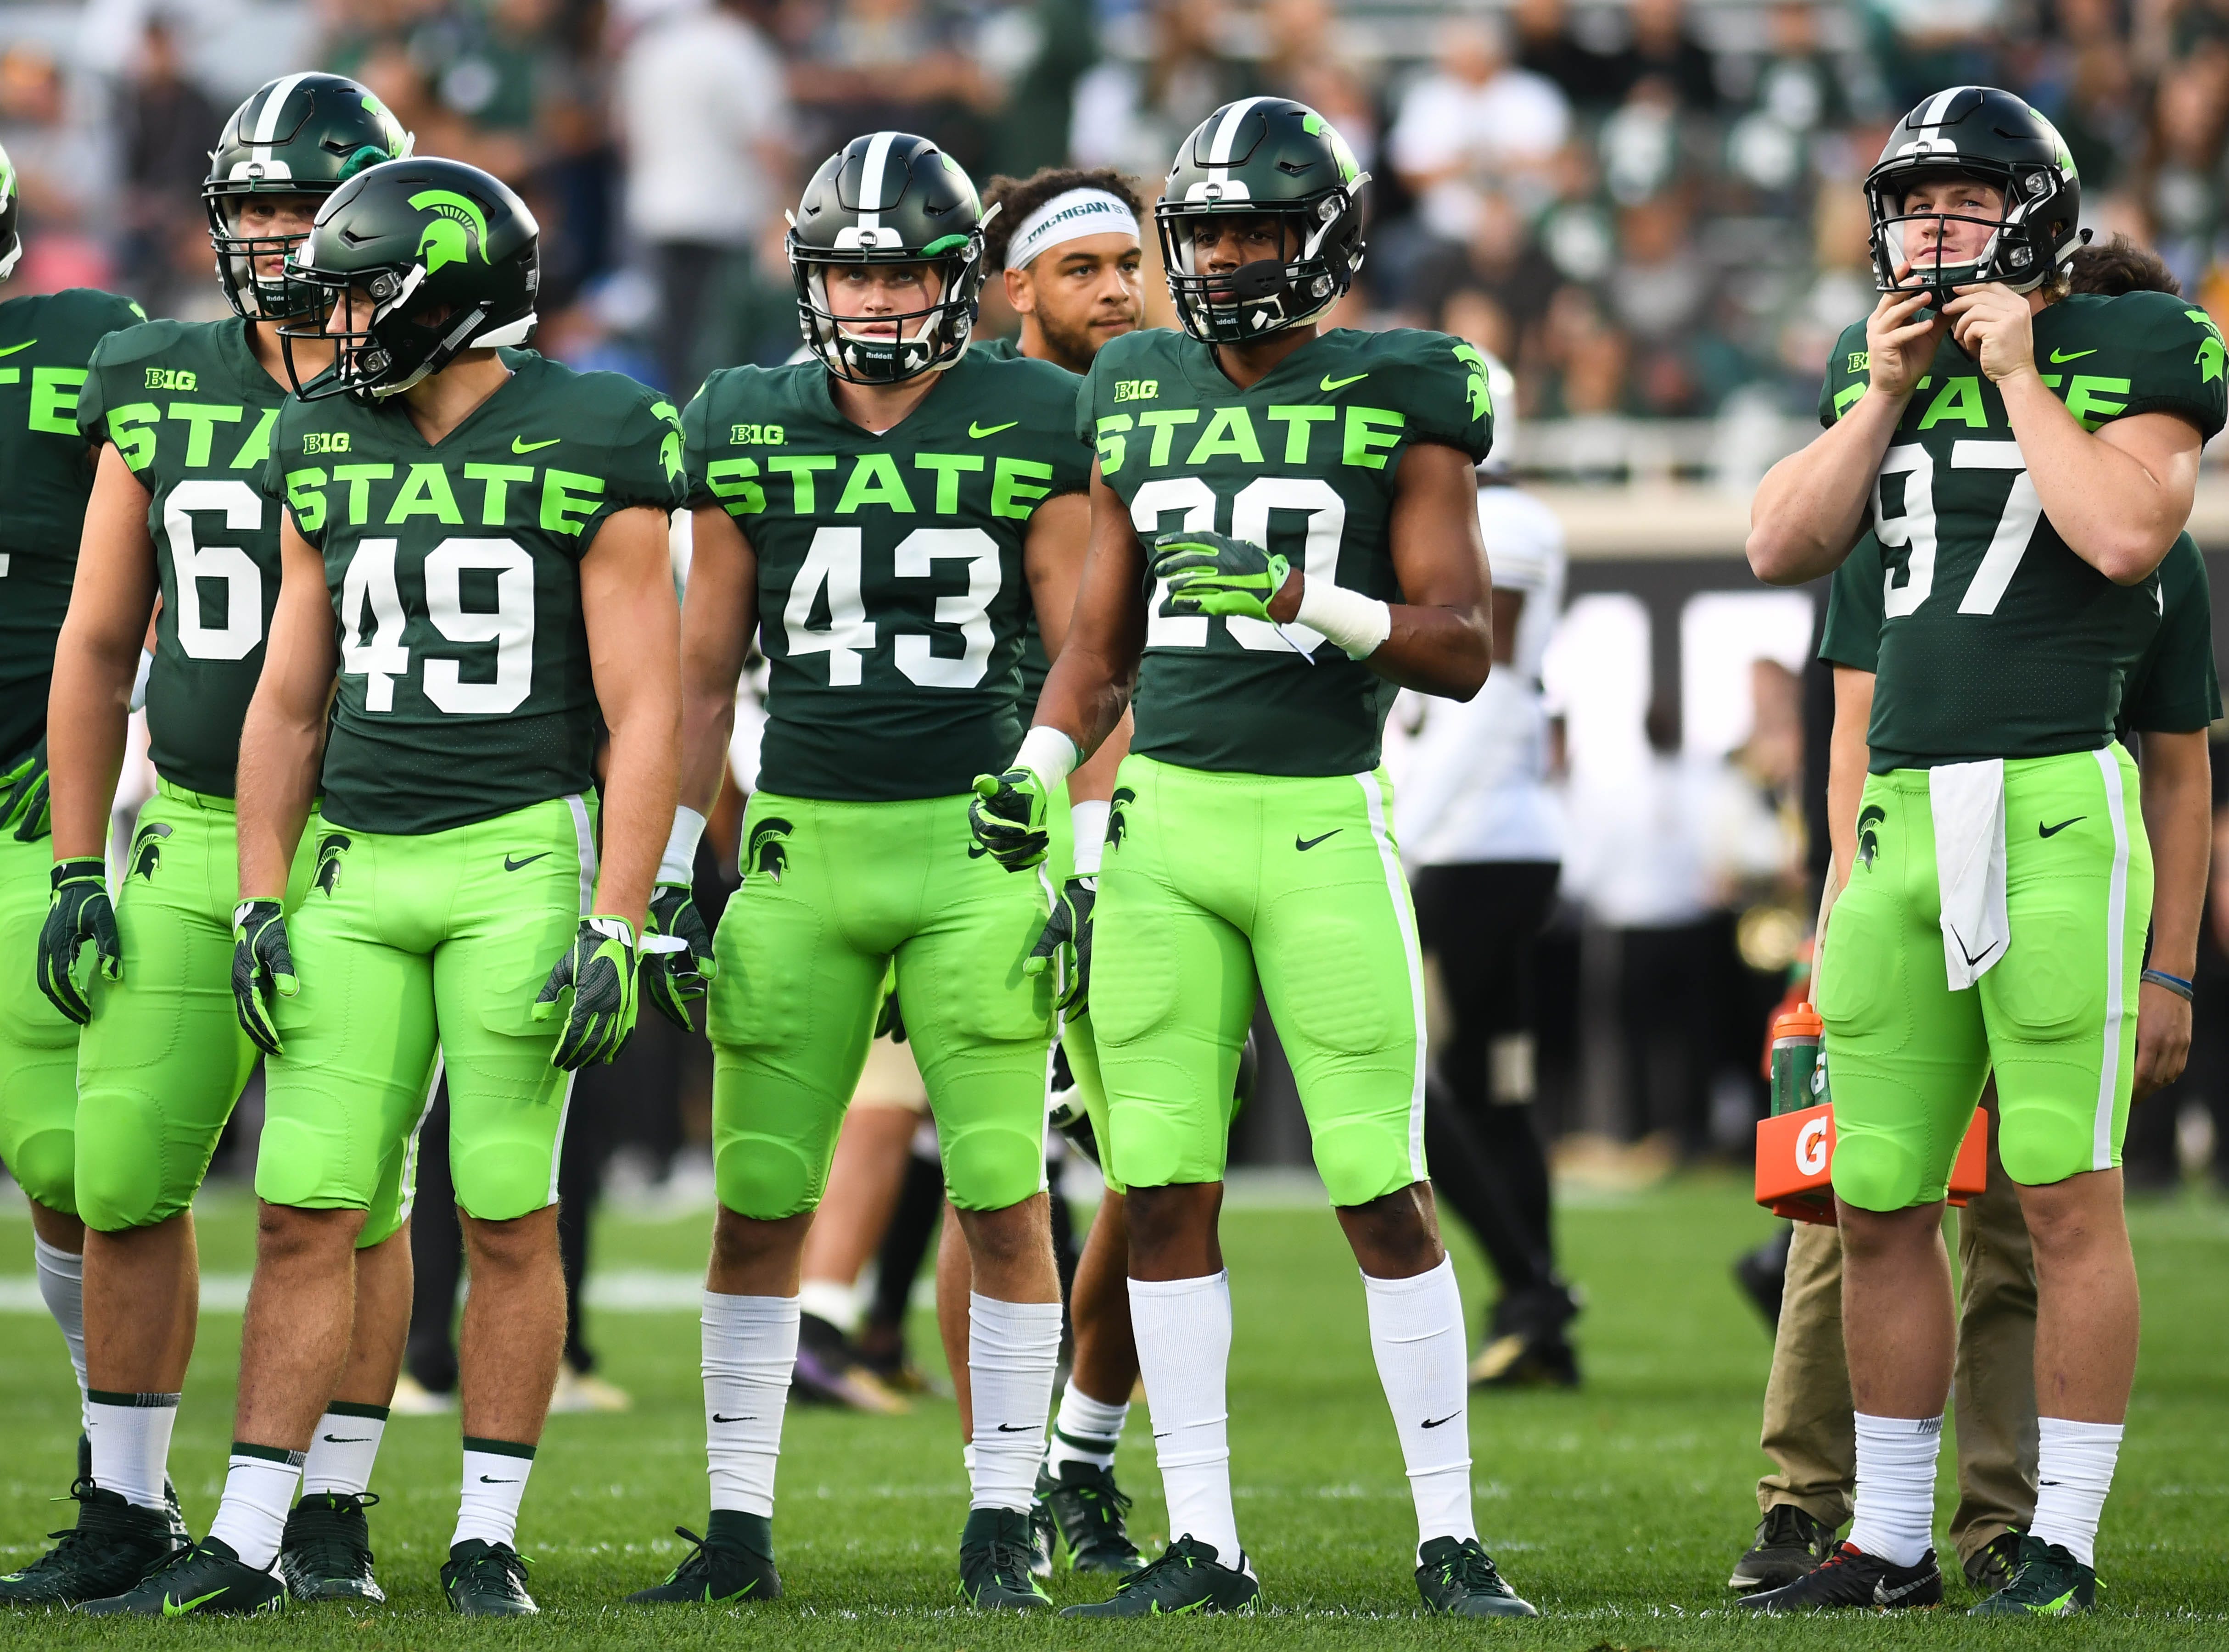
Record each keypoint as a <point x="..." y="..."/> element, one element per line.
<point x="1646" y="207"/>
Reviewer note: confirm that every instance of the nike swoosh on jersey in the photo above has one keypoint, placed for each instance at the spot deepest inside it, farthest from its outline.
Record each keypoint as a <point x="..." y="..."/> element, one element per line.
<point x="2042" y="830"/>
<point x="980" y="431"/>
<point x="1304" y="844"/>
<point x="25" y="345"/>
<point x="510" y="865"/>
<point x="2057" y="356"/>
<point x="520" y="444"/>
<point x="1330" y="384"/>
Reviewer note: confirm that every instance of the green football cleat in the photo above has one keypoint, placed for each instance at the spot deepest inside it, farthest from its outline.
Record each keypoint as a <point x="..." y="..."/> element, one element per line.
<point x="1459" y="1579"/>
<point x="484" y="1579"/>
<point x="1186" y="1578"/>
<point x="734" y="1560"/>
<point x="206" y="1579"/>
<point x="995" y="1546"/>
<point x="2047" y="1582"/>
<point x="1087" y="1506"/>
<point x="325" y="1553"/>
<point x="114" y="1546"/>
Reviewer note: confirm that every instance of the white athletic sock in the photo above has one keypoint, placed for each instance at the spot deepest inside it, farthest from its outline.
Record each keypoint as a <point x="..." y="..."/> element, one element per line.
<point x="1086" y="1430"/>
<point x="1012" y="1348"/>
<point x="1183" y="1328"/>
<point x="1416" y="1331"/>
<point x="750" y="1349"/>
<point x="1895" y="1517"/>
<point x="495" y="1484"/>
<point x="2073" y="1471"/>
<point x="62" y="1287"/>
<point x="344" y="1449"/>
<point x="131" y="1436"/>
<point x="840" y="1304"/>
<point x="258" y="1492"/>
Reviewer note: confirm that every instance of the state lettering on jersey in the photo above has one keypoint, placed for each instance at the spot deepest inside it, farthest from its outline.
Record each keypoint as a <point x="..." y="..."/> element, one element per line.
<point x="1997" y="639"/>
<point x="454" y="572"/>
<point x="892" y="592"/>
<point x="1305" y="462"/>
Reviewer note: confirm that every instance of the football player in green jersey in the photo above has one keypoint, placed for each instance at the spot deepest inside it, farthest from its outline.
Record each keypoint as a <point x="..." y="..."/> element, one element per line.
<point x="183" y="414"/>
<point x="46" y="474"/>
<point x="2025" y="460"/>
<point x="1284" y="531"/>
<point x="884" y="516"/>
<point x="474" y="576"/>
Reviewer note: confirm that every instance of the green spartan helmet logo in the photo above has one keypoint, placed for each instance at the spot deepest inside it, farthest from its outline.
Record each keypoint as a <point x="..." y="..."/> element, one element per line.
<point x="766" y="852"/>
<point x="330" y="848"/>
<point x="147" y="849"/>
<point x="457" y="229"/>
<point x="1868" y="839"/>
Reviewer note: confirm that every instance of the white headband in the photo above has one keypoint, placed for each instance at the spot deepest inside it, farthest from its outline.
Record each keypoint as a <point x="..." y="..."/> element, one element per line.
<point x="1066" y="218"/>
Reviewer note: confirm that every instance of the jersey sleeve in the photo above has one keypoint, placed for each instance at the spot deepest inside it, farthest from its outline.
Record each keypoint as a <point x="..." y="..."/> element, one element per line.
<point x="646" y="464"/>
<point x="2173" y="689"/>
<point x="1854" y="598"/>
<point x="296" y="484"/>
<point x="113" y="406"/>
<point x="1051" y="395"/>
<point x="2173" y="359"/>
<point x="1848" y="372"/>
<point x="1441" y="383"/>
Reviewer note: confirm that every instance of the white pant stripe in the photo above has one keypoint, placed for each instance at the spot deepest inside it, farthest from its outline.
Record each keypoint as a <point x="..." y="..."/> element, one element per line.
<point x="2116" y="918"/>
<point x="1397" y="886"/>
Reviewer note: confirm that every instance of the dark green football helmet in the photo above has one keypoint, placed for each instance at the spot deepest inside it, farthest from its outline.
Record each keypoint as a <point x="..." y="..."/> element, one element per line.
<point x="301" y="134"/>
<point x="1262" y="156"/>
<point x="12" y="240"/>
<point x="421" y="258"/>
<point x="1977" y="132"/>
<point x="888" y="198"/>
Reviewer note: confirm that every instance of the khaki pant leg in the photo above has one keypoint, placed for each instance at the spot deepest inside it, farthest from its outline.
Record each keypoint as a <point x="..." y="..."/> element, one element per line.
<point x="1807" y="1427"/>
<point x="1994" y="1383"/>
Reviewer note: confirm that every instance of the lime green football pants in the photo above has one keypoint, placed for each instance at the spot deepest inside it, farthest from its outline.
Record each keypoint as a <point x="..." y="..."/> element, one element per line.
<point x="163" y="1060"/>
<point x="414" y="951"/>
<point x="38" y="1043"/>
<point x="2055" y="1017"/>
<point x="1214" y="883"/>
<point x="833" y="893"/>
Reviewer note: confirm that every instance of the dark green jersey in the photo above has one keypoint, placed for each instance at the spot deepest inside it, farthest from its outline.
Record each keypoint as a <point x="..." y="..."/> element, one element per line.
<point x="2171" y="689"/>
<point x="1303" y="463"/>
<point x="46" y="477"/>
<point x="455" y="569"/>
<point x="191" y="410"/>
<point x="891" y="595"/>
<point x="1034" y="666"/>
<point x="1997" y="640"/>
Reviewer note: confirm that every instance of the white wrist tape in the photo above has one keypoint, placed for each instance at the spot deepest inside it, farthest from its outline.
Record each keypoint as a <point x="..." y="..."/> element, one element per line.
<point x="139" y="683"/>
<point x="679" y="863"/>
<point x="1049" y="754"/>
<point x="1358" y="624"/>
<point x="1090" y="820"/>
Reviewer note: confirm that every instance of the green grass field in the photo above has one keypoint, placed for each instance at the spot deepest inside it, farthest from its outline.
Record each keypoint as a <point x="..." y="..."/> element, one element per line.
<point x="1618" y="1509"/>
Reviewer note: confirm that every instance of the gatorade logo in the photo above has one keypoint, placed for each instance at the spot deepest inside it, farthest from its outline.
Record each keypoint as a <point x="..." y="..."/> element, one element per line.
<point x="1811" y="1148"/>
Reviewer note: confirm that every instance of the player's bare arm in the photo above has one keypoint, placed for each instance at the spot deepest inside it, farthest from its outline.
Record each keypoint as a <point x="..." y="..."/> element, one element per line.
<point x="1053" y="559"/>
<point x="97" y="657"/>
<point x="1096" y="666"/>
<point x="633" y="625"/>
<point x="2178" y="807"/>
<point x="284" y="731"/>
<point x="1811" y="507"/>
<point x="719" y="617"/>
<point x="1846" y="756"/>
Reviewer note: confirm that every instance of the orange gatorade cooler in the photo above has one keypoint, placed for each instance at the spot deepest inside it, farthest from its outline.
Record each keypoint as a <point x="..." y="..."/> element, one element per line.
<point x="1796" y="1156"/>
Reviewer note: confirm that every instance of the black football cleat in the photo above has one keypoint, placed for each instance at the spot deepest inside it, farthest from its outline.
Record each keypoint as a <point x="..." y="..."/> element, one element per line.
<point x="1850" y="1577"/>
<point x="1790" y="1542"/>
<point x="733" y="1561"/>
<point x="325" y="1553"/>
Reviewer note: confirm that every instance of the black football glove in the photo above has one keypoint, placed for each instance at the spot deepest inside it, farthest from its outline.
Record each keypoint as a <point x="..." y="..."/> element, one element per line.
<point x="24" y="802"/>
<point x="262" y="965"/>
<point x="1064" y="944"/>
<point x="78" y="911"/>
<point x="673" y="979"/>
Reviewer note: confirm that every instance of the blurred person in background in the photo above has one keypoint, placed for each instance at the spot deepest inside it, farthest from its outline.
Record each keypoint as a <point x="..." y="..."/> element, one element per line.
<point x="703" y="113"/>
<point x="1485" y="835"/>
<point x="1477" y="116"/>
<point x="1131" y="116"/>
<point x="900" y="64"/>
<point x="165" y="121"/>
<point x="64" y="172"/>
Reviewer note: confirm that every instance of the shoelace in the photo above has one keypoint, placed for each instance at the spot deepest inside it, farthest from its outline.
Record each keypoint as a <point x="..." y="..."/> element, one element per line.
<point x="511" y="1565"/>
<point x="1474" y="1568"/>
<point x="1104" y="1505"/>
<point x="1783" y="1523"/>
<point x="1010" y="1565"/>
<point x="696" y="1559"/>
<point x="98" y="1531"/>
<point x="329" y="1543"/>
<point x="1158" y="1574"/>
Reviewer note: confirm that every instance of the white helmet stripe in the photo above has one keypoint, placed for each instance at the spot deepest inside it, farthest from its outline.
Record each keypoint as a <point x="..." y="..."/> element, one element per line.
<point x="267" y="118"/>
<point x="870" y="180"/>
<point x="1226" y="138"/>
<point x="1939" y="105"/>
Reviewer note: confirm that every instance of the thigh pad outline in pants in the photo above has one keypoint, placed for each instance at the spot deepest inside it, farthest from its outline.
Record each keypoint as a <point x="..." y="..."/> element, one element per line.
<point x="1172" y="980"/>
<point x="803" y="947"/>
<point x="1905" y="1056"/>
<point x="38" y="1043"/>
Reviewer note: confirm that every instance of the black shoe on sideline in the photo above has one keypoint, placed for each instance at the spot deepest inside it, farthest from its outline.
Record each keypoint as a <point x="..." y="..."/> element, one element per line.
<point x="1850" y="1577"/>
<point x="1790" y="1542"/>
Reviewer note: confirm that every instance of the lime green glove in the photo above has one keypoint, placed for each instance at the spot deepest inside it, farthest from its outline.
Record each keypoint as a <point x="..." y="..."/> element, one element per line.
<point x="1064" y="944"/>
<point x="1214" y="573"/>
<point x="24" y="802"/>
<point x="674" y="978"/>
<point x="78" y="911"/>
<point x="262" y="965"/>
<point x="598" y="969"/>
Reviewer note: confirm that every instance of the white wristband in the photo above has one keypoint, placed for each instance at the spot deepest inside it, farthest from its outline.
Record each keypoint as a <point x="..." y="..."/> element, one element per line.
<point x="679" y="864"/>
<point x="1049" y="754"/>
<point x="1358" y="624"/>
<point x="1090" y="820"/>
